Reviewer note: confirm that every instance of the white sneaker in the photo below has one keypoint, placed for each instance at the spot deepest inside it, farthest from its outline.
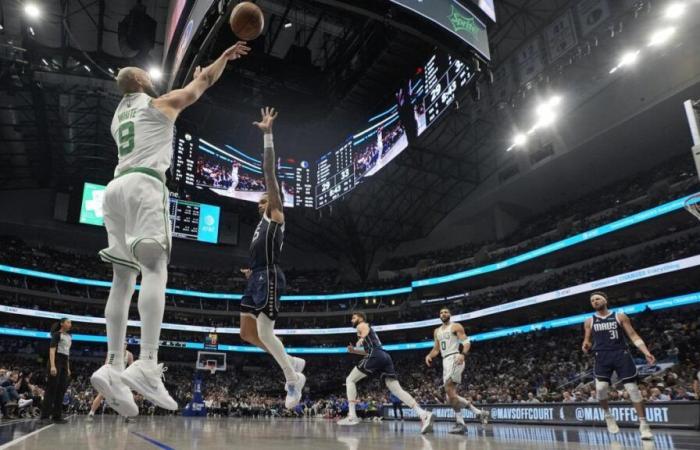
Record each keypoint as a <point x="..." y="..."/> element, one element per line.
<point x="146" y="378"/>
<point x="349" y="421"/>
<point x="427" y="421"/>
<point x="645" y="429"/>
<point x="612" y="425"/>
<point x="484" y="416"/>
<point x="90" y="418"/>
<point x="294" y="391"/>
<point x="298" y="364"/>
<point x="108" y="382"/>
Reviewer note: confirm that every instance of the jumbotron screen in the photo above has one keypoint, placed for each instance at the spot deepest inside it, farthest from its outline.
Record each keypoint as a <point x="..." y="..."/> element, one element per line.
<point x="229" y="172"/>
<point x="188" y="220"/>
<point x="221" y="168"/>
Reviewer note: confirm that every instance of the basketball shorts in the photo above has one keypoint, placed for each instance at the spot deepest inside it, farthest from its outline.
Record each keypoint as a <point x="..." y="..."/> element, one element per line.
<point x="263" y="291"/>
<point x="451" y="370"/>
<point x="618" y="361"/>
<point x="135" y="208"/>
<point x="378" y="363"/>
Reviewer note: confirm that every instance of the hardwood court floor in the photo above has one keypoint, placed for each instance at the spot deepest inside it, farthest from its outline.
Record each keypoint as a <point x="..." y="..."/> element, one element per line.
<point x="148" y="433"/>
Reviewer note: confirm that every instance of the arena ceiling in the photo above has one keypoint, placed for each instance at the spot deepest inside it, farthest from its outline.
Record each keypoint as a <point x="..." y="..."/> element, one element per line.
<point x="328" y="72"/>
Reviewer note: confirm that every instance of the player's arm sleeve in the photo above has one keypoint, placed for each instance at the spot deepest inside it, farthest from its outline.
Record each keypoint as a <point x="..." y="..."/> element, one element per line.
<point x="273" y="189"/>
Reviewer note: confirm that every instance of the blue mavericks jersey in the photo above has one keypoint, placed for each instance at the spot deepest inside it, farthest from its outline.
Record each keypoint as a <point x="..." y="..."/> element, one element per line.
<point x="266" y="245"/>
<point x="371" y="342"/>
<point x="608" y="334"/>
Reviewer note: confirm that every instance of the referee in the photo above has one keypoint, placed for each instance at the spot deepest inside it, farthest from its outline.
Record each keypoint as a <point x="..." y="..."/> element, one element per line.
<point x="59" y="371"/>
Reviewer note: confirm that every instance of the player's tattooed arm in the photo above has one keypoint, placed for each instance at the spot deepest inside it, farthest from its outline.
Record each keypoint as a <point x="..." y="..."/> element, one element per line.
<point x="434" y="351"/>
<point x="635" y="338"/>
<point x="587" y="329"/>
<point x="172" y="103"/>
<point x="273" y="190"/>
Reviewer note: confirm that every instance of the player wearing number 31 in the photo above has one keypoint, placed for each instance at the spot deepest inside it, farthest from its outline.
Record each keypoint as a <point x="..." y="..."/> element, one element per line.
<point x="138" y="229"/>
<point x="609" y="344"/>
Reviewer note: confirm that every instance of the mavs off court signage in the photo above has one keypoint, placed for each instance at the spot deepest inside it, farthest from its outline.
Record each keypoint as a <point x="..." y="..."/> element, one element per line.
<point x="661" y="414"/>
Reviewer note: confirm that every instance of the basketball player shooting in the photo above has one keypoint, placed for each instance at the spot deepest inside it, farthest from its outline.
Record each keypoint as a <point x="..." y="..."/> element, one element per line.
<point x="612" y="354"/>
<point x="448" y="338"/>
<point x="376" y="361"/>
<point x="138" y="229"/>
<point x="266" y="281"/>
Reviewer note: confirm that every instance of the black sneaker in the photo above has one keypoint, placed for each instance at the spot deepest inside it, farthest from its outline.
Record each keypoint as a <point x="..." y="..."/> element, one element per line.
<point x="60" y="420"/>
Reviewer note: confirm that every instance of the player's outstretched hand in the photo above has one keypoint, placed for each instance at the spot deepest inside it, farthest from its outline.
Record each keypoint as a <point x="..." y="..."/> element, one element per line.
<point x="268" y="116"/>
<point x="247" y="273"/>
<point x="651" y="360"/>
<point x="428" y="360"/>
<point x="237" y="50"/>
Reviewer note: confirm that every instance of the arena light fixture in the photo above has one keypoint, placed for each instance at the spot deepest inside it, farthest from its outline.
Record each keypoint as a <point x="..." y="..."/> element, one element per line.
<point x="662" y="36"/>
<point x="519" y="140"/>
<point x="32" y="11"/>
<point x="87" y="68"/>
<point x="288" y="25"/>
<point x="155" y="73"/>
<point x="674" y="10"/>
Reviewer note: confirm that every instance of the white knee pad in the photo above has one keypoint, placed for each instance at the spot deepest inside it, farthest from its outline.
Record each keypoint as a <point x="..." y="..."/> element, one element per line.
<point x="633" y="391"/>
<point x="149" y="253"/>
<point x="601" y="389"/>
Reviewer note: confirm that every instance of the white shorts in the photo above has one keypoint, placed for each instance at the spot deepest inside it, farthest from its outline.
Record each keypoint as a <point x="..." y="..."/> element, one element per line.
<point x="135" y="208"/>
<point x="451" y="370"/>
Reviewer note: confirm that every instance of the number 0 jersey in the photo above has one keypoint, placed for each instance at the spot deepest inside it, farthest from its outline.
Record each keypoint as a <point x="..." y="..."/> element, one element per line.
<point x="449" y="344"/>
<point x="144" y="135"/>
<point x="608" y="334"/>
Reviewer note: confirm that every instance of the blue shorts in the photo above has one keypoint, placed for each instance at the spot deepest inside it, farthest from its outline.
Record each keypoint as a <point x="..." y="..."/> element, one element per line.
<point x="263" y="291"/>
<point x="378" y="363"/>
<point x="618" y="361"/>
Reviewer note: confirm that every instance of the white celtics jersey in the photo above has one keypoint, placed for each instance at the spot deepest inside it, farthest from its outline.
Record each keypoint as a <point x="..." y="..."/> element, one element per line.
<point x="144" y="135"/>
<point x="449" y="344"/>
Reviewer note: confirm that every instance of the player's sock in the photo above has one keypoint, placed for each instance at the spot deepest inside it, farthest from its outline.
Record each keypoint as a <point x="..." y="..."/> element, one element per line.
<point x="117" y="313"/>
<point x="458" y="416"/>
<point x="352" y="405"/>
<point x="274" y="346"/>
<point x="464" y="402"/>
<point x="404" y="396"/>
<point x="154" y="277"/>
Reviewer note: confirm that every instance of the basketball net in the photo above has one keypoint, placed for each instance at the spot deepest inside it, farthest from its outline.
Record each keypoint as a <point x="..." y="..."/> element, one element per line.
<point x="212" y="366"/>
<point x="692" y="205"/>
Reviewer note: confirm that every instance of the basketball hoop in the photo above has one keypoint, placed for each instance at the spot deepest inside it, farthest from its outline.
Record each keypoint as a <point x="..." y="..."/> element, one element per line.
<point x="211" y="367"/>
<point x="692" y="205"/>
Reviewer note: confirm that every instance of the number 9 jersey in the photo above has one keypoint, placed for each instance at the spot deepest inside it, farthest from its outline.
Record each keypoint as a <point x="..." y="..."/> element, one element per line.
<point x="144" y="135"/>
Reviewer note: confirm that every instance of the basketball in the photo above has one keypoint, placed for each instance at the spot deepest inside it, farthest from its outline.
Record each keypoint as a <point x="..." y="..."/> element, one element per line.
<point x="247" y="21"/>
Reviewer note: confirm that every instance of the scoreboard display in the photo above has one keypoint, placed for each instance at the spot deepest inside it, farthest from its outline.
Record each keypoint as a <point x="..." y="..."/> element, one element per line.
<point x="433" y="89"/>
<point x="188" y="220"/>
<point x="335" y="175"/>
<point x="230" y="172"/>
<point x="194" y="221"/>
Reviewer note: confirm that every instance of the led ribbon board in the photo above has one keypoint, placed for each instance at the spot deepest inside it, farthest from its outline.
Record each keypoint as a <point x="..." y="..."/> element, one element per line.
<point x="656" y="305"/>
<point x="536" y="253"/>
<point x="647" y="272"/>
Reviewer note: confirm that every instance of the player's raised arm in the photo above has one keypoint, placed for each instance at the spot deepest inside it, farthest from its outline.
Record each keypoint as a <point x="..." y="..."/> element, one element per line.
<point x="587" y="331"/>
<point x="434" y="351"/>
<point x="172" y="103"/>
<point x="274" y="197"/>
<point x="635" y="338"/>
